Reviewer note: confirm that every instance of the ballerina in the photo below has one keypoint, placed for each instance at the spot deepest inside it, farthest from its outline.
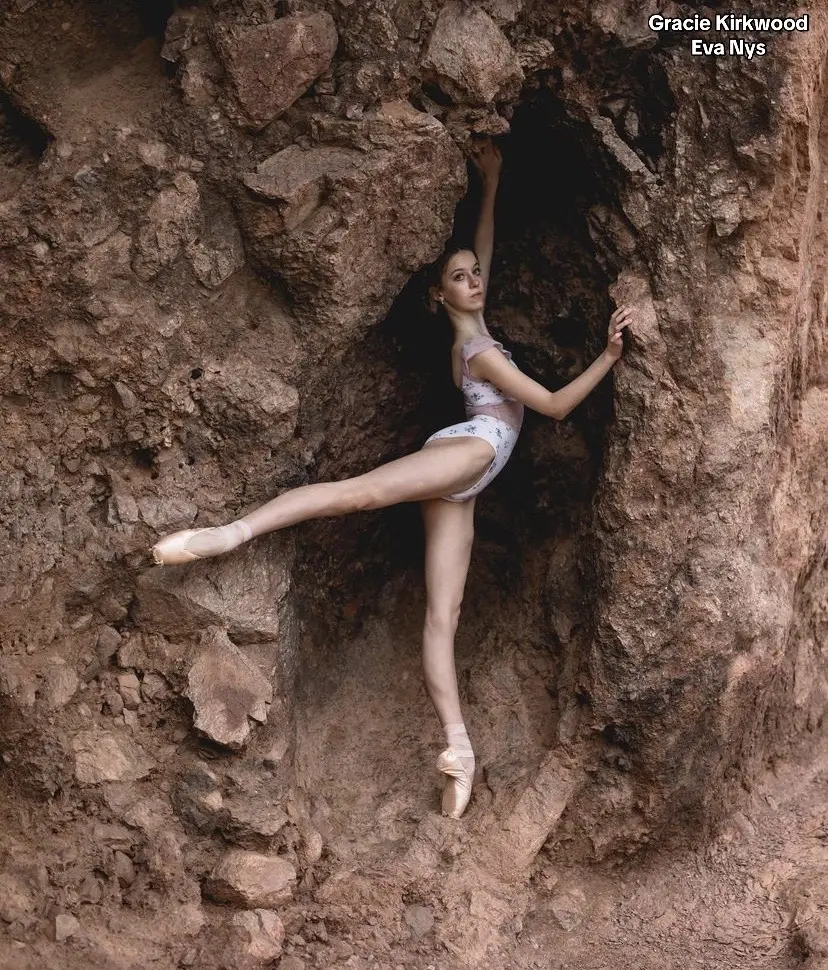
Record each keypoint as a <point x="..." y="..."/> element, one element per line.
<point x="446" y="475"/>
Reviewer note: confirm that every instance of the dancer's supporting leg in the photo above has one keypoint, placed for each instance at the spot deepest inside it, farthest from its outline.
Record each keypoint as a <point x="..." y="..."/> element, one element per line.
<point x="449" y="528"/>
<point x="439" y="468"/>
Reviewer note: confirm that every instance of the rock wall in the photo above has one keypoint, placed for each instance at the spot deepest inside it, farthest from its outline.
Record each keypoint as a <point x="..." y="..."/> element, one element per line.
<point x="213" y="223"/>
<point x="699" y="668"/>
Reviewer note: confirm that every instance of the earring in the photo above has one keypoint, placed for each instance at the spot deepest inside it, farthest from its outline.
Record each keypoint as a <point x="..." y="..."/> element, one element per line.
<point x="441" y="299"/>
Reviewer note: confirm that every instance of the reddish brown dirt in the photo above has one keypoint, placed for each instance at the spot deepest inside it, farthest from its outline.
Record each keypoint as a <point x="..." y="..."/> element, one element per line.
<point x="642" y="650"/>
<point x="365" y="744"/>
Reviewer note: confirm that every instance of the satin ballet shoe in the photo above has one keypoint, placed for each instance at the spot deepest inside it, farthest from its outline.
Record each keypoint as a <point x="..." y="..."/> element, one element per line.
<point x="171" y="552"/>
<point x="458" y="788"/>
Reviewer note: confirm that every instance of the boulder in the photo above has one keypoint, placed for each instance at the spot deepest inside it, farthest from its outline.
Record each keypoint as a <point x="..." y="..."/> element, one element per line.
<point x="296" y="178"/>
<point x="270" y="65"/>
<point x="470" y="58"/>
<point x="16" y="902"/>
<point x="129" y="687"/>
<point x="569" y="908"/>
<point x="65" y="926"/>
<point x="103" y="756"/>
<point x="251" y="880"/>
<point x="243" y="591"/>
<point x="253" y="823"/>
<point x="166" y="513"/>
<point x="420" y="920"/>
<point x="265" y="932"/>
<point x="227" y="691"/>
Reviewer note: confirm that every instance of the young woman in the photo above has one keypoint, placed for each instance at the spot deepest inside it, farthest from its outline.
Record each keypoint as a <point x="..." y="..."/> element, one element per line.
<point x="446" y="475"/>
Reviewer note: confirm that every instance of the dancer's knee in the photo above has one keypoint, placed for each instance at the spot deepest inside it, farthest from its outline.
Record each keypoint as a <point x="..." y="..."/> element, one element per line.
<point x="370" y="495"/>
<point x="443" y="620"/>
<point x="353" y="495"/>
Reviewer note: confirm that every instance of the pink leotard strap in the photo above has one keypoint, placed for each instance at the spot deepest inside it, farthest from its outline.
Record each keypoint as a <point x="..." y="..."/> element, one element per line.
<point x="471" y="348"/>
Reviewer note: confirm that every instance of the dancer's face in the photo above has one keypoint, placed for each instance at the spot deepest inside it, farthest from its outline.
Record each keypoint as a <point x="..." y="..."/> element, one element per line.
<point x="461" y="285"/>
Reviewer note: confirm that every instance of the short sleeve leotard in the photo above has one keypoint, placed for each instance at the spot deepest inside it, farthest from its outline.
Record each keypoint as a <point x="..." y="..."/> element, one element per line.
<point x="490" y="414"/>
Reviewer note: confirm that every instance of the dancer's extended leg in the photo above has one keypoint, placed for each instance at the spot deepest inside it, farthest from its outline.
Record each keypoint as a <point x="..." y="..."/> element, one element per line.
<point x="449" y="533"/>
<point x="439" y="468"/>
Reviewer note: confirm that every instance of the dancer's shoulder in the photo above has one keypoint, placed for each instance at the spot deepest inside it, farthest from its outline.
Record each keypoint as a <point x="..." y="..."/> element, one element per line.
<point x="477" y="344"/>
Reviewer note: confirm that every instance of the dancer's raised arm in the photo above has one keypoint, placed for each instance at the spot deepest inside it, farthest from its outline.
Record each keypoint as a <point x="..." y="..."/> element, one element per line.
<point x="491" y="365"/>
<point x="488" y="161"/>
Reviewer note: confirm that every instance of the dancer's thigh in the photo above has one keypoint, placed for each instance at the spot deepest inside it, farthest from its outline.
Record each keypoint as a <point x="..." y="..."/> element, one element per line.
<point x="438" y="468"/>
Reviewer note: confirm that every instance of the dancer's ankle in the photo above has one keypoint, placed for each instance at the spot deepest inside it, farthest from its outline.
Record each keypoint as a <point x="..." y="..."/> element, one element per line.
<point x="457" y="739"/>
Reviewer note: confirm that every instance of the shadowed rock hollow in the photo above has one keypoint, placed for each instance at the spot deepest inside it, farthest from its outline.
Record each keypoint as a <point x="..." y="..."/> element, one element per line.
<point x="214" y="218"/>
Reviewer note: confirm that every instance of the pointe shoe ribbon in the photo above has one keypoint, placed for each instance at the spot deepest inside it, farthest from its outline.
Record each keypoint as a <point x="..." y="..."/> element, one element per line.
<point x="457" y="792"/>
<point x="171" y="551"/>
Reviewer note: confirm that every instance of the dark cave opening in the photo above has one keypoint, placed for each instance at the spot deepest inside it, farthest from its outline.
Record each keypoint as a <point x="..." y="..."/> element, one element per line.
<point x="19" y="133"/>
<point x="635" y="92"/>
<point x="22" y="144"/>
<point x="154" y="15"/>
<point x="360" y="580"/>
<point x="135" y="20"/>
<point x="549" y="304"/>
<point x="121" y="25"/>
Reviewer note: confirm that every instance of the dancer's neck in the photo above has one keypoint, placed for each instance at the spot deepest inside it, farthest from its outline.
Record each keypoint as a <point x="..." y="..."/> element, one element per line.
<point x="467" y="325"/>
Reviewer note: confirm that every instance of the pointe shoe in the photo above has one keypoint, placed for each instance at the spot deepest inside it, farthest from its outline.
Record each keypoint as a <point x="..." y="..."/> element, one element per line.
<point x="458" y="788"/>
<point x="171" y="552"/>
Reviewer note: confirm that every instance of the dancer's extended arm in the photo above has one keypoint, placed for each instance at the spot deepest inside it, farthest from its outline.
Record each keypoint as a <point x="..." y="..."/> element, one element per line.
<point x="487" y="160"/>
<point x="491" y="365"/>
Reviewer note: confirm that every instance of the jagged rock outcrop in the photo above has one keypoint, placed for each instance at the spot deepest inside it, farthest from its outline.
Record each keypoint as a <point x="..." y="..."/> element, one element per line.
<point x="470" y="57"/>
<point x="345" y="221"/>
<point x="270" y="65"/>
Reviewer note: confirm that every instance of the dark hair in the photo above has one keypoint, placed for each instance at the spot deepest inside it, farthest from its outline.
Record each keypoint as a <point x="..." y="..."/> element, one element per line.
<point x="434" y="274"/>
